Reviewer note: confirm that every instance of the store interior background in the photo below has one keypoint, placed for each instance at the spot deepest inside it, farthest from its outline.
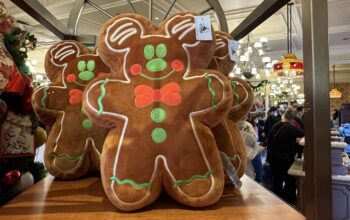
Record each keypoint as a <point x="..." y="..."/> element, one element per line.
<point x="274" y="28"/>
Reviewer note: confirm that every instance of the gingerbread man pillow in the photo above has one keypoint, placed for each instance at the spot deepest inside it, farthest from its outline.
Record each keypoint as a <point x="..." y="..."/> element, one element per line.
<point x="227" y="134"/>
<point x="159" y="110"/>
<point x="74" y="143"/>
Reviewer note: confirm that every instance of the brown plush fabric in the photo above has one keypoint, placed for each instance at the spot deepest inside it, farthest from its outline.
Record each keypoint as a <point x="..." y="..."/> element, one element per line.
<point x="74" y="143"/>
<point x="221" y="60"/>
<point x="227" y="134"/>
<point x="160" y="93"/>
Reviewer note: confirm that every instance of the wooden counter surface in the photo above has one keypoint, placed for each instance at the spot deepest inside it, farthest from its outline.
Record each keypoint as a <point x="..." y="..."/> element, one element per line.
<point x="86" y="200"/>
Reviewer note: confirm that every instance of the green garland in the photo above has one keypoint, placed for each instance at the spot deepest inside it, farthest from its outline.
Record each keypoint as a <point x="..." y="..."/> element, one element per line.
<point x="259" y="86"/>
<point x="18" y="42"/>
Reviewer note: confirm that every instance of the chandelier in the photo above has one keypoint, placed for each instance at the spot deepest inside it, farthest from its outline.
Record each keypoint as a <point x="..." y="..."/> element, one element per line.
<point x="252" y="61"/>
<point x="334" y="93"/>
<point x="289" y="66"/>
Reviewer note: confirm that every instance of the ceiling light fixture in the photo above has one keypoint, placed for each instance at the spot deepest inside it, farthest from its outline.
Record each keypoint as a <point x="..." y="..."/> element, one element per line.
<point x="289" y="66"/>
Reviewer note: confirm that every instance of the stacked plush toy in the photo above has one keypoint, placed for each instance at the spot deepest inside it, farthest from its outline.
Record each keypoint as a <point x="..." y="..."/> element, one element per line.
<point x="74" y="143"/>
<point x="227" y="134"/>
<point x="160" y="113"/>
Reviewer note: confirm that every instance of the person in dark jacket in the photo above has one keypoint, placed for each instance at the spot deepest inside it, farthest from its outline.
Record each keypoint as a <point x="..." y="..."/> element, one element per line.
<point x="281" y="152"/>
<point x="272" y="118"/>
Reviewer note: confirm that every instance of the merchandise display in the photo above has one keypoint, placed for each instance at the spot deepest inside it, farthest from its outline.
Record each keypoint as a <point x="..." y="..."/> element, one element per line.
<point x="174" y="109"/>
<point x="159" y="106"/>
<point x="74" y="144"/>
<point x="19" y="131"/>
<point x="227" y="134"/>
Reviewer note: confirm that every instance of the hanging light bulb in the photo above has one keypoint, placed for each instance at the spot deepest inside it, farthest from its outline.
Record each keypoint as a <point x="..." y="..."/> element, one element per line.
<point x="231" y="75"/>
<point x="258" y="45"/>
<point x="261" y="52"/>
<point x="264" y="40"/>
<point x="267" y="73"/>
<point x="254" y="71"/>
<point x="244" y="58"/>
<point x="268" y="65"/>
<point x="238" y="71"/>
<point x="250" y="49"/>
<point x="266" y="59"/>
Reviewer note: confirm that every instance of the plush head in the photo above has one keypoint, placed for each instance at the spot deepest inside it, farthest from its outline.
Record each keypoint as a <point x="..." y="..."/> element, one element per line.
<point x="75" y="142"/>
<point x="221" y="60"/>
<point x="144" y="51"/>
<point x="159" y="107"/>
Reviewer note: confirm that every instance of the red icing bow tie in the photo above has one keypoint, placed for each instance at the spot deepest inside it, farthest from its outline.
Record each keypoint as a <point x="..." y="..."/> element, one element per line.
<point x="169" y="94"/>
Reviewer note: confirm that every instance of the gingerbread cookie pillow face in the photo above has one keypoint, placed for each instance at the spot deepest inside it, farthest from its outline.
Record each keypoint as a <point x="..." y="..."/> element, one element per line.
<point x="221" y="60"/>
<point x="161" y="137"/>
<point x="74" y="143"/>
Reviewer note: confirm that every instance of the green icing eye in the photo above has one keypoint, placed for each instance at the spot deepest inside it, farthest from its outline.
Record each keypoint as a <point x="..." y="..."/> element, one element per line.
<point x="148" y="51"/>
<point x="91" y="65"/>
<point x="81" y="65"/>
<point x="161" y="50"/>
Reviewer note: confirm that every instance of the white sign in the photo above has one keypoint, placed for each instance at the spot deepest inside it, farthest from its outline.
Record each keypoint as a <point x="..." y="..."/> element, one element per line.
<point x="232" y="49"/>
<point x="203" y="27"/>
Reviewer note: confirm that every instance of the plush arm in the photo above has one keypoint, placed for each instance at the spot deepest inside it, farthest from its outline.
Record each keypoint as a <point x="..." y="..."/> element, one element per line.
<point x="209" y="93"/>
<point x="106" y="100"/>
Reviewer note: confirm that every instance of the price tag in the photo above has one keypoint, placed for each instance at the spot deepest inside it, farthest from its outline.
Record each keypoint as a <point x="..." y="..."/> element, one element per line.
<point x="203" y="27"/>
<point x="232" y="48"/>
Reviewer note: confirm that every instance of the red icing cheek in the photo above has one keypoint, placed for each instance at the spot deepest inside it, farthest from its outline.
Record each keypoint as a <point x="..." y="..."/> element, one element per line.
<point x="75" y="96"/>
<point x="177" y="65"/>
<point x="71" y="78"/>
<point x="100" y="74"/>
<point x="135" y="69"/>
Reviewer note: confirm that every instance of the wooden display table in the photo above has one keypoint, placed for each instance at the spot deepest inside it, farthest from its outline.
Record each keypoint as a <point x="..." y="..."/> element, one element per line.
<point x="86" y="200"/>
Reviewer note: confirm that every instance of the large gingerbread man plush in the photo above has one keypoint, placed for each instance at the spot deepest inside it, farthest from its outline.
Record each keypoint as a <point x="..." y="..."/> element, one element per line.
<point x="74" y="143"/>
<point x="227" y="135"/>
<point x="159" y="110"/>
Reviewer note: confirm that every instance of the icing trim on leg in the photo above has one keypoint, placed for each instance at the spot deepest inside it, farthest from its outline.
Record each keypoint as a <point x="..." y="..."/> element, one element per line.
<point x="190" y="180"/>
<point x="236" y="155"/>
<point x="67" y="156"/>
<point x="131" y="182"/>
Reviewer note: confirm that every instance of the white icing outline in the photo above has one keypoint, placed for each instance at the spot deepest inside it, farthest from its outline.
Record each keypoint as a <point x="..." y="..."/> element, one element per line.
<point x="220" y="40"/>
<point x="125" y="118"/>
<point x="70" y="44"/>
<point x="233" y="146"/>
<point x="246" y="98"/>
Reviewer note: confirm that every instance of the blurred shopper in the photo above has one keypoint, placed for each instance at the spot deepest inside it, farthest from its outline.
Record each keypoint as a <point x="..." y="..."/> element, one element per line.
<point x="257" y="163"/>
<point x="283" y="138"/>
<point x="272" y="118"/>
<point x="250" y="142"/>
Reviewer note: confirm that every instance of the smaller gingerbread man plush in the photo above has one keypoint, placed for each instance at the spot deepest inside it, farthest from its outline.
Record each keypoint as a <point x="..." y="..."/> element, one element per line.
<point x="160" y="109"/>
<point x="74" y="143"/>
<point x="227" y="135"/>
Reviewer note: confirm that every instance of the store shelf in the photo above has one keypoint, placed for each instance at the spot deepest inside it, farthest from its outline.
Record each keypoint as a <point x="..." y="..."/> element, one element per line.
<point x="85" y="199"/>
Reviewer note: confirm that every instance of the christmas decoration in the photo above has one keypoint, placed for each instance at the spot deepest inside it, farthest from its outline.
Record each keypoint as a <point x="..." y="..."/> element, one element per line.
<point x="260" y="85"/>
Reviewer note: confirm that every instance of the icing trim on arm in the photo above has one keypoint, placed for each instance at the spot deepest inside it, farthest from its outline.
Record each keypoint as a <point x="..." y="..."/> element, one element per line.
<point x="234" y="85"/>
<point x="212" y="91"/>
<point x="43" y="99"/>
<point x="103" y="93"/>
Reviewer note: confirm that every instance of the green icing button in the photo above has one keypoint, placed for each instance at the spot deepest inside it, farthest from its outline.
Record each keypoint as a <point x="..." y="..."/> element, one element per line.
<point x="87" y="123"/>
<point x="158" y="135"/>
<point x="158" y="115"/>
